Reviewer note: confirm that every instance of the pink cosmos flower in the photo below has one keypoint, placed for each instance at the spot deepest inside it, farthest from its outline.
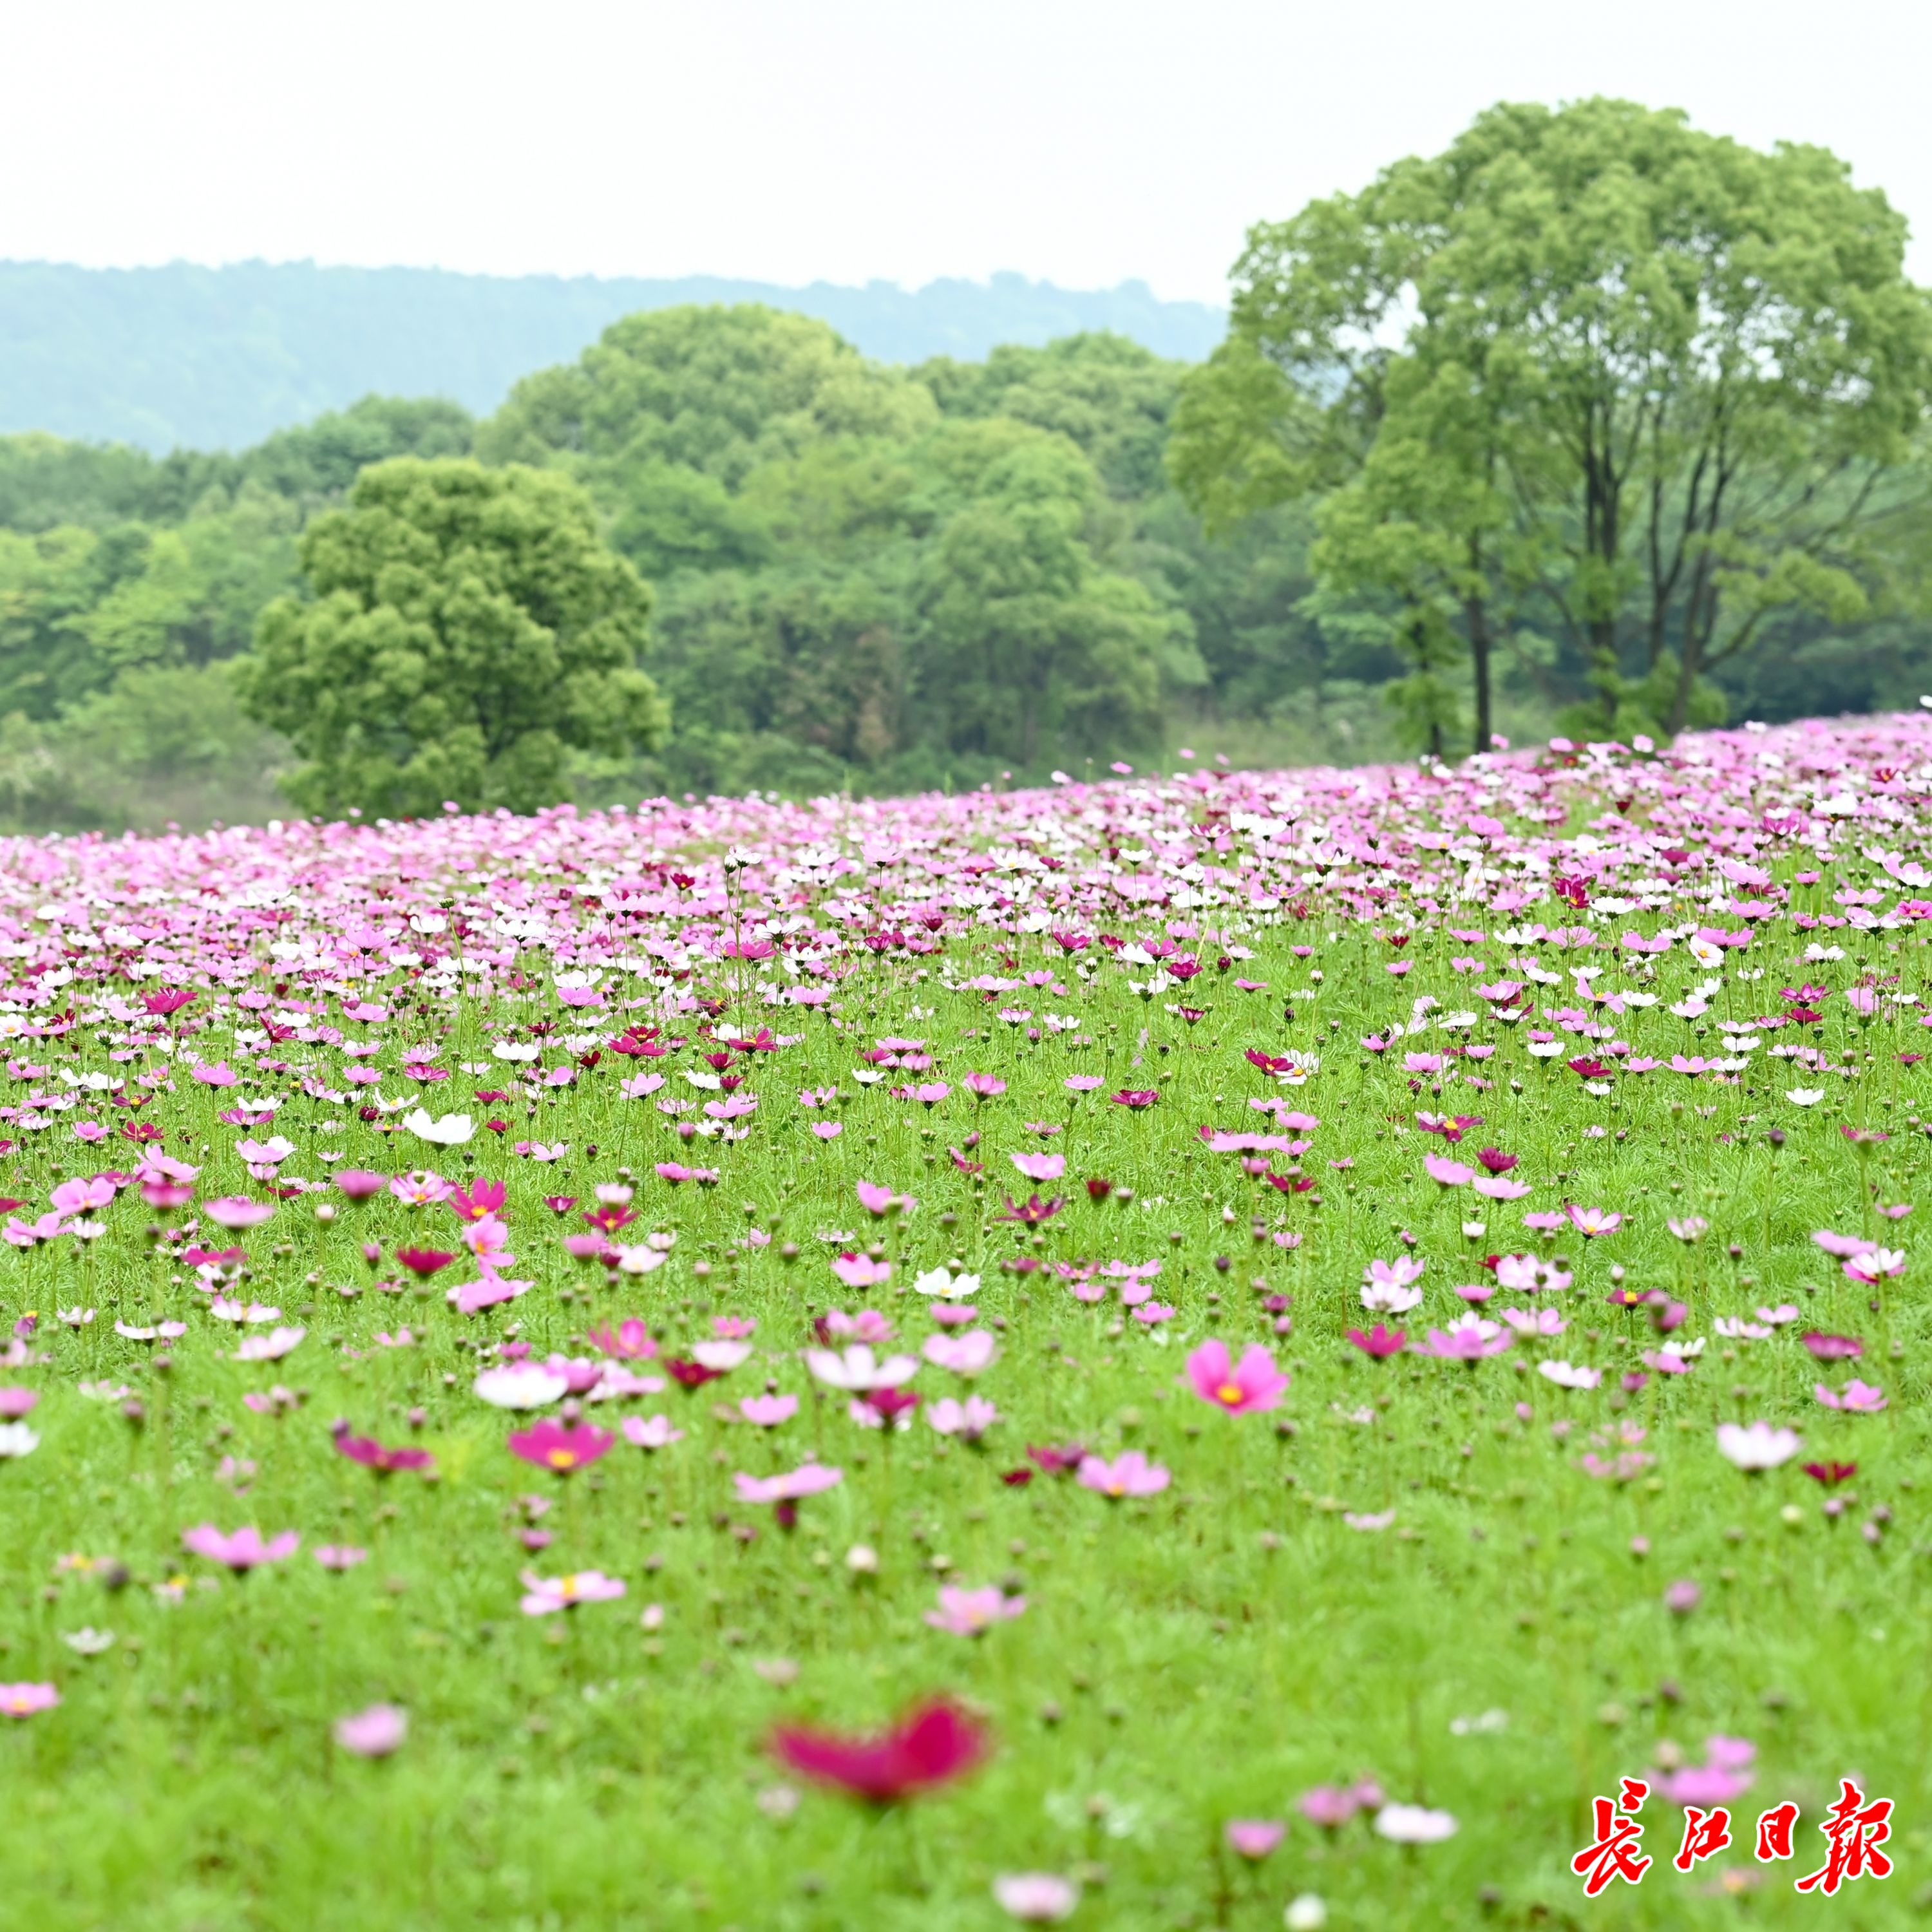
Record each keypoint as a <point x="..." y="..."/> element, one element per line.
<point x="880" y="1201"/>
<point x="1331" y="1806"/>
<point x="1129" y="1474"/>
<point x="630" y="1341"/>
<point x="544" y="1595"/>
<point x="809" y="1479"/>
<point x="969" y="1420"/>
<point x="983" y="1086"/>
<point x="1468" y="1339"/>
<point x="828" y="1130"/>
<point x="1039" y="1166"/>
<point x="1859" y="1399"/>
<point x="965" y="1355"/>
<point x="242" y="1551"/>
<point x="236" y="1212"/>
<point x="1720" y="1779"/>
<point x="868" y="1325"/>
<point x="768" y="1411"/>
<point x="374" y="1733"/>
<point x="964" y="1612"/>
<point x="857" y="1270"/>
<point x="1843" y="1246"/>
<point x="651" y="1432"/>
<point x="1449" y="1173"/>
<point x="27" y="1700"/>
<point x="1254" y="1838"/>
<point x="1379" y="1342"/>
<point x="1254" y="1383"/>
<point x="1590" y="1222"/>
<point x="1036" y="1898"/>
<point x="339" y="1556"/>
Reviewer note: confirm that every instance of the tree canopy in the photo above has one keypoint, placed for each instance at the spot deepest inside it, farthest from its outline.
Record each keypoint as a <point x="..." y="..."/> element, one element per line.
<point x="1590" y="378"/>
<point x="467" y="625"/>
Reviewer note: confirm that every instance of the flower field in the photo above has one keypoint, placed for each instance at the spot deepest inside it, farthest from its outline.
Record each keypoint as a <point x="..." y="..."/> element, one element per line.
<point x="1217" y="1349"/>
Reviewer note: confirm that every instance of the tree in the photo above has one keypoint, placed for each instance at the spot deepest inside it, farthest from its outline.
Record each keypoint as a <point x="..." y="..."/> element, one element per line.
<point x="716" y="390"/>
<point x="1026" y="649"/>
<point x="1668" y="385"/>
<point x="467" y="627"/>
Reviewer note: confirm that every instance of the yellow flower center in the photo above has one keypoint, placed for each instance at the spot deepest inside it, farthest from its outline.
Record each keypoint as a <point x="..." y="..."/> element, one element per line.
<point x="561" y="1458"/>
<point x="1230" y="1394"/>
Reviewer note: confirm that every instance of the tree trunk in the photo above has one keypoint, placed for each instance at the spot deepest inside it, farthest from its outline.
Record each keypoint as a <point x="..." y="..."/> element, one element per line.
<point x="1477" y="614"/>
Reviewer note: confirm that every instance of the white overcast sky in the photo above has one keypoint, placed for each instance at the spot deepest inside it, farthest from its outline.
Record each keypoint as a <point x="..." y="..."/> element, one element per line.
<point x="1082" y="141"/>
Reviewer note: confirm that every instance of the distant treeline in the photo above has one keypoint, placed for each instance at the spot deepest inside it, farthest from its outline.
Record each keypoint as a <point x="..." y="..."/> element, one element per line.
<point x="866" y="576"/>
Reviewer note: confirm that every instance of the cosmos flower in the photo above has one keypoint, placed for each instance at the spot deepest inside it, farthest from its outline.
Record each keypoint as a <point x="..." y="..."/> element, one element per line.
<point x="1254" y="1383"/>
<point x="1756" y="1447"/>
<point x="932" y="1745"/>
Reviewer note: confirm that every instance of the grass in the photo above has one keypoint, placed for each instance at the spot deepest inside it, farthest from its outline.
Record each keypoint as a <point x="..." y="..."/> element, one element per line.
<point x="1206" y="1654"/>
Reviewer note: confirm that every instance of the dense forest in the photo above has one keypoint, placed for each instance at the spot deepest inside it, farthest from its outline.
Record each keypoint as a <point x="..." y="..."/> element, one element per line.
<point x="1663" y="464"/>
<point x="866" y="575"/>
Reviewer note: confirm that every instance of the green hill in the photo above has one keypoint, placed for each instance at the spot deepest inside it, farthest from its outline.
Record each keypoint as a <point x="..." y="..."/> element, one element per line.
<point x="184" y="357"/>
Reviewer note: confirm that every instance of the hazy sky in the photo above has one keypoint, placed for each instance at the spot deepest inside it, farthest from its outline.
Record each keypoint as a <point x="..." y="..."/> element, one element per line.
<point x="1084" y="141"/>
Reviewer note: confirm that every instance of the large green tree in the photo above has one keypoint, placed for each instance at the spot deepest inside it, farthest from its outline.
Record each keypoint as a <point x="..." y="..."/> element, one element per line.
<point x="1590" y="373"/>
<point x="467" y="627"/>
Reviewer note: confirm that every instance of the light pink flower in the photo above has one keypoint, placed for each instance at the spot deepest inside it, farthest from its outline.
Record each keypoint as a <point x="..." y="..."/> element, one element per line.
<point x="243" y="1550"/>
<point x="963" y="1355"/>
<point x="1859" y="1398"/>
<point x="809" y="1479"/>
<point x="374" y="1733"/>
<point x="544" y="1595"/>
<point x="767" y="1412"/>
<point x="965" y="1612"/>
<point x="1129" y="1474"/>
<point x="27" y="1700"/>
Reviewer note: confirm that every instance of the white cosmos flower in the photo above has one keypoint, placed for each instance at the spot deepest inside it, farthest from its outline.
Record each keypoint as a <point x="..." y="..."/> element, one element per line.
<point x="520" y="1385"/>
<point x="1570" y="1376"/>
<point x="450" y="1130"/>
<point x="943" y="1282"/>
<point x="1758" y="1446"/>
<point x="17" y="1439"/>
<point x="857" y="1369"/>
<point x="1414" y="1825"/>
<point x="1805" y="1097"/>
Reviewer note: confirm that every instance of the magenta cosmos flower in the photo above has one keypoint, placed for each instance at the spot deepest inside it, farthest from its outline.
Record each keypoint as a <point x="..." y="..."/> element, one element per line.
<point x="1129" y="1474"/>
<point x="372" y="1455"/>
<point x="243" y="1551"/>
<point x="1252" y="1383"/>
<point x="561" y="1450"/>
<point x="931" y="1745"/>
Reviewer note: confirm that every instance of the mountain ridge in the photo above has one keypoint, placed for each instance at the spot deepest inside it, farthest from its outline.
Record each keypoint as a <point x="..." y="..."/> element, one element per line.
<point x="183" y="356"/>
